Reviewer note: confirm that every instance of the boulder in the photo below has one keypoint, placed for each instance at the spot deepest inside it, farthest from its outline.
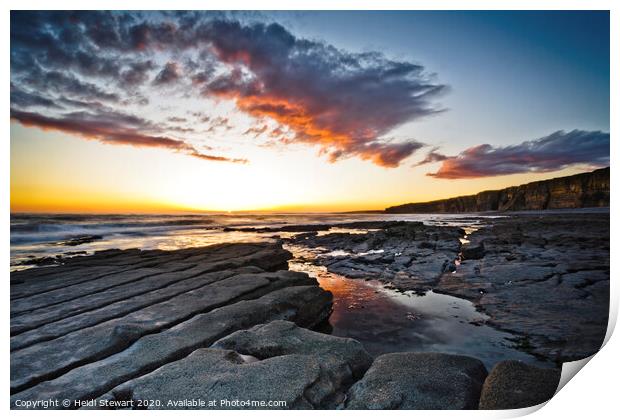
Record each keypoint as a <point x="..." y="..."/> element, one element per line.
<point x="342" y="360"/>
<point x="513" y="384"/>
<point x="473" y="251"/>
<point x="419" y="381"/>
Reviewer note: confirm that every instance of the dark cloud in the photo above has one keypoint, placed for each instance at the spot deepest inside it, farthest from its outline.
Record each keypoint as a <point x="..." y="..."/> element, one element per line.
<point x="58" y="40"/>
<point x="345" y="103"/>
<point x="137" y="73"/>
<point x="201" y="68"/>
<point x="25" y="99"/>
<point x="76" y="103"/>
<point x="432" y="156"/>
<point x="111" y="128"/>
<point x="201" y="77"/>
<point x="169" y="74"/>
<point x="67" y="84"/>
<point x="551" y="153"/>
<point x="388" y="155"/>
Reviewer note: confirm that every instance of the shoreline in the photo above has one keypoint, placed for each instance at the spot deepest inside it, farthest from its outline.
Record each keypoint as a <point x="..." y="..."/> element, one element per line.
<point x="49" y="324"/>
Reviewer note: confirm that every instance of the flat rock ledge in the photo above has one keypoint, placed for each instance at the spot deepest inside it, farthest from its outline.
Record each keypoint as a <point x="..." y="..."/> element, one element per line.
<point x="278" y="361"/>
<point x="83" y="328"/>
<point x="544" y="278"/>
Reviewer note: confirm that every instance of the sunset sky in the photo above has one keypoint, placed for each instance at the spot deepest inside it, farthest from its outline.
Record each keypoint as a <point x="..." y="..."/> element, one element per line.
<point x="299" y="111"/>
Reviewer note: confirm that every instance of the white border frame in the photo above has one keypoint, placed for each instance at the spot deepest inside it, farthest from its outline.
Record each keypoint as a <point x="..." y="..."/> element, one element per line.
<point x="592" y="394"/>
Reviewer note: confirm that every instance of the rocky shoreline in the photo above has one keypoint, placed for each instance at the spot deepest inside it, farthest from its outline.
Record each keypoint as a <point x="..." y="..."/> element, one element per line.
<point x="543" y="277"/>
<point x="230" y="322"/>
<point x="407" y="255"/>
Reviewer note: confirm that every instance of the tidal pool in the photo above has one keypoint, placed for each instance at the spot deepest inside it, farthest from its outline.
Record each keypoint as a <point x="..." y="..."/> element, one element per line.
<point x="386" y="321"/>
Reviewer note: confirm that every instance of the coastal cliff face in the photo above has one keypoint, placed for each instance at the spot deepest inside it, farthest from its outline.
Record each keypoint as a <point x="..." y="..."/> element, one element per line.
<point x="589" y="189"/>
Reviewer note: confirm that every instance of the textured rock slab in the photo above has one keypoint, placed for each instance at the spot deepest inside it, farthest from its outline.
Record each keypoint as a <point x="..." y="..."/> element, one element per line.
<point x="93" y="322"/>
<point x="82" y="270"/>
<point x="56" y="327"/>
<point x="343" y="360"/>
<point x="65" y="294"/>
<point x="40" y="280"/>
<point x="304" y="305"/>
<point x="419" y="381"/>
<point x="222" y="375"/>
<point x="513" y="384"/>
<point x="543" y="277"/>
<point x="34" y="318"/>
<point x="51" y="358"/>
<point x="408" y="255"/>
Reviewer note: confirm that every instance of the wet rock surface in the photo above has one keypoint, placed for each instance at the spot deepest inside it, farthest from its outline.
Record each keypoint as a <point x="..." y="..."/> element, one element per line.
<point x="419" y="381"/>
<point x="408" y="255"/>
<point x="542" y="277"/>
<point x="513" y="384"/>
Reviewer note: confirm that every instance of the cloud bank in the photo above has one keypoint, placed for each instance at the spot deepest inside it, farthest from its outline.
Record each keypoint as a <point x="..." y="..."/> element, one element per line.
<point x="551" y="153"/>
<point x="343" y="102"/>
<point x="81" y="64"/>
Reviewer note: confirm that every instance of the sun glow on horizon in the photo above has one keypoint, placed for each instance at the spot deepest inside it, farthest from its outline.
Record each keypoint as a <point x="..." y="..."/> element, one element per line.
<point x="53" y="172"/>
<point x="305" y="112"/>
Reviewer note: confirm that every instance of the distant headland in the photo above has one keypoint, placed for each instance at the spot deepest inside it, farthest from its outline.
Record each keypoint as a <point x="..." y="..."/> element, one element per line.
<point x="588" y="189"/>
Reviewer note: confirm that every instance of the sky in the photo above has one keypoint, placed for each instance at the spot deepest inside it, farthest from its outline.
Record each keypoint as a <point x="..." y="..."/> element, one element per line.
<point x="299" y="111"/>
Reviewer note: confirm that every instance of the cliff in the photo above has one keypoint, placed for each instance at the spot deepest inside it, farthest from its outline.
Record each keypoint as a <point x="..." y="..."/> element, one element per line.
<point x="588" y="189"/>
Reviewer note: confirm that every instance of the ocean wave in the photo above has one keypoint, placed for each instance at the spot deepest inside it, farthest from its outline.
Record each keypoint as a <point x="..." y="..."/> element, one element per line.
<point x="42" y="229"/>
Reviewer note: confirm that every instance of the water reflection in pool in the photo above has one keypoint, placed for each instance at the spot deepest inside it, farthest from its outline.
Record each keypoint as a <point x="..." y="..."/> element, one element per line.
<point x="386" y="321"/>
